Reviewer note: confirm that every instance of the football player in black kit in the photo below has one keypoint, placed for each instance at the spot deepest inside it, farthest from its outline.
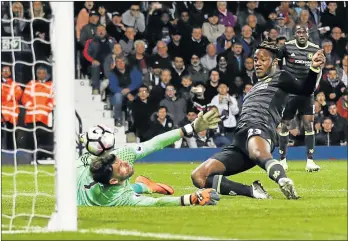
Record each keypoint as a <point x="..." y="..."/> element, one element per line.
<point x="298" y="55"/>
<point x="255" y="134"/>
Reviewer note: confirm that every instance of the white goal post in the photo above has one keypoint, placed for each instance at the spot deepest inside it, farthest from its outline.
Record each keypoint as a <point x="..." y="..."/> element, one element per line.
<point x="62" y="42"/>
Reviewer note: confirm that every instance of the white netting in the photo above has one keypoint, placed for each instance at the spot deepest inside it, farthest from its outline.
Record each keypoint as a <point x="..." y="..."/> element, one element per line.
<point x="27" y="188"/>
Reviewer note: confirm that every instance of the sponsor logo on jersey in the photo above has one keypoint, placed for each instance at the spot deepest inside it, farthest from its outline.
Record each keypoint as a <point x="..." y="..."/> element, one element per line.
<point x="304" y="62"/>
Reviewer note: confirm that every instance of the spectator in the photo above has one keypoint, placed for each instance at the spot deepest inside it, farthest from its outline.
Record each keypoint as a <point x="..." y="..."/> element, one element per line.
<point x="158" y="91"/>
<point x="314" y="12"/>
<point x="153" y="77"/>
<point x="342" y="105"/>
<point x="329" y="136"/>
<point x="219" y="134"/>
<point x="197" y="44"/>
<point x="196" y="70"/>
<point x="88" y="30"/>
<point x="11" y="93"/>
<point x="38" y="99"/>
<point x="281" y="41"/>
<point x="209" y="60"/>
<point x="185" y="89"/>
<point x="312" y="27"/>
<point x="109" y="62"/>
<point x="122" y="82"/>
<point x="115" y="27"/>
<point x="227" y="71"/>
<point x="339" y="122"/>
<point x="228" y="108"/>
<point x="339" y="42"/>
<point x="175" y="47"/>
<point x="318" y="116"/>
<point x="178" y="71"/>
<point x="83" y="18"/>
<point x="248" y="74"/>
<point x="332" y="87"/>
<point x="199" y="102"/>
<point x="289" y="13"/>
<point x="161" y="122"/>
<point x="134" y="18"/>
<point x="162" y="55"/>
<point x="225" y="41"/>
<point x="159" y="29"/>
<point x="176" y="106"/>
<point x="140" y="59"/>
<point x="212" y="29"/>
<point x="142" y="109"/>
<point x="247" y="40"/>
<point x="272" y="20"/>
<point x="243" y="15"/>
<point x="104" y="16"/>
<point x="225" y="17"/>
<point x="127" y="41"/>
<point x="343" y="72"/>
<point x="96" y="51"/>
<point x="184" y="26"/>
<point x="212" y="85"/>
<point x="300" y="5"/>
<point x="190" y="117"/>
<point x="320" y="97"/>
<point x="198" y="13"/>
<point x="332" y="59"/>
<point x="331" y="17"/>
<point x="272" y="35"/>
<point x="240" y="99"/>
<point x="283" y="30"/>
<point x="204" y="140"/>
<point x="256" y="28"/>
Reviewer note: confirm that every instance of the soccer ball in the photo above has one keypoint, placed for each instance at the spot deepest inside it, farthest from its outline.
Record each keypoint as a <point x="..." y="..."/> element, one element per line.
<point x="99" y="139"/>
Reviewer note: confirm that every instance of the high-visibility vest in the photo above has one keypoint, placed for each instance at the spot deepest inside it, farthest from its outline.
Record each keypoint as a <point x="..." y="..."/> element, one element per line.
<point x="38" y="100"/>
<point x="11" y="92"/>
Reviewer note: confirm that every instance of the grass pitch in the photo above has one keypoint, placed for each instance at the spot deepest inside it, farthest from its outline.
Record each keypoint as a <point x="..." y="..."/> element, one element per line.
<point x="321" y="213"/>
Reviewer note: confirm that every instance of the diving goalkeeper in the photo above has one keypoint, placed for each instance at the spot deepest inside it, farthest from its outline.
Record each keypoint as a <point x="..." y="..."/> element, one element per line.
<point x="104" y="181"/>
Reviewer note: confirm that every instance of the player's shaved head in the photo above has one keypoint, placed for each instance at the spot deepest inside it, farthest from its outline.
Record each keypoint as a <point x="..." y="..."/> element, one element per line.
<point x="301" y="35"/>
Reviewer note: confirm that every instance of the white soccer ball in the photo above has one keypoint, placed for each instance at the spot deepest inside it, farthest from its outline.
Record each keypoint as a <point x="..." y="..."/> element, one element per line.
<point x="99" y="139"/>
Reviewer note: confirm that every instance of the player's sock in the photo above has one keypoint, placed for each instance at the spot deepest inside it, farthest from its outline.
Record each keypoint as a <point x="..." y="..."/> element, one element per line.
<point x="140" y="188"/>
<point x="309" y="141"/>
<point x="274" y="169"/>
<point x="227" y="187"/>
<point x="283" y="144"/>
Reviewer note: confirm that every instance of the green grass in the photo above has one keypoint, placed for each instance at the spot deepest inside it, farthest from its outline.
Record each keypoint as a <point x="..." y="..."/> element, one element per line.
<point x="321" y="213"/>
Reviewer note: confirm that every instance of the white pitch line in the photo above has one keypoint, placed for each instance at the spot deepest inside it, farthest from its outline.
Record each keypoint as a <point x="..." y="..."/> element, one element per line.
<point x="123" y="232"/>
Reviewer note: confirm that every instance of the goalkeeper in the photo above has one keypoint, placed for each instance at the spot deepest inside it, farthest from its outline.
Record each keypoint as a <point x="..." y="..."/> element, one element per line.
<point x="104" y="181"/>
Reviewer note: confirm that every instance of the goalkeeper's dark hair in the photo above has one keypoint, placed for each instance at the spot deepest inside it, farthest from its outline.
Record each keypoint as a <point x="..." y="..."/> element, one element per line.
<point x="101" y="168"/>
<point x="270" y="46"/>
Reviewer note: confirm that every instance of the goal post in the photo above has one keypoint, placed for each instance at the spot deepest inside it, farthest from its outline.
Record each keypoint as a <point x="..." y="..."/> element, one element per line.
<point x="62" y="42"/>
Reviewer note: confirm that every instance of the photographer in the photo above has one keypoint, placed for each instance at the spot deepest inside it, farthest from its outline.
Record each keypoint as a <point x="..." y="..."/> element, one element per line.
<point x="228" y="109"/>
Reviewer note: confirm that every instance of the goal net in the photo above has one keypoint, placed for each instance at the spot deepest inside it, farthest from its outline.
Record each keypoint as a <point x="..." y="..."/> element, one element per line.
<point x="37" y="117"/>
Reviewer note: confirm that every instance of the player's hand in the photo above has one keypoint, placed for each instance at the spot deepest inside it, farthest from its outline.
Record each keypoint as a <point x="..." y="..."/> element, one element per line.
<point x="318" y="59"/>
<point x="204" y="197"/>
<point x="209" y="120"/>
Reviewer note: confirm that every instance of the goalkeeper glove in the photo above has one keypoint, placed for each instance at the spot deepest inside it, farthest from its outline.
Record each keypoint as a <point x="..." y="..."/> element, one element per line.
<point x="205" y="121"/>
<point x="202" y="197"/>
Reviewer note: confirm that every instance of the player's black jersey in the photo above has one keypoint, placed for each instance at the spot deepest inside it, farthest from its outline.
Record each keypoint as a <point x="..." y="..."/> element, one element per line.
<point x="298" y="59"/>
<point x="265" y="102"/>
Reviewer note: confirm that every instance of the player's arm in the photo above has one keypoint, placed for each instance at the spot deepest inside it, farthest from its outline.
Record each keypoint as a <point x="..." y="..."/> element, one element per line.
<point x="281" y="55"/>
<point x="207" y="121"/>
<point x="201" y="197"/>
<point x="292" y="85"/>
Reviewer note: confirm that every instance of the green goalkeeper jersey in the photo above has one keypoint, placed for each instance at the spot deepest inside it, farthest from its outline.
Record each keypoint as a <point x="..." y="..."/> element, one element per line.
<point x="90" y="193"/>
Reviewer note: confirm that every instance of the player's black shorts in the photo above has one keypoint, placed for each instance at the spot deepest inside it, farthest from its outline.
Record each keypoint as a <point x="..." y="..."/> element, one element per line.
<point x="235" y="157"/>
<point x="304" y="105"/>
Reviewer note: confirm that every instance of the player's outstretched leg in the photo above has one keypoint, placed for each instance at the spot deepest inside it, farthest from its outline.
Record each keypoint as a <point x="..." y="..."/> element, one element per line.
<point x="310" y="141"/>
<point x="283" y="143"/>
<point x="260" y="151"/>
<point x="145" y="185"/>
<point x="210" y="175"/>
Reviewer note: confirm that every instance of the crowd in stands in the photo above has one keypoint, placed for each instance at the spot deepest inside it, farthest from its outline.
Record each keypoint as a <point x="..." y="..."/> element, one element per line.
<point x="163" y="62"/>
